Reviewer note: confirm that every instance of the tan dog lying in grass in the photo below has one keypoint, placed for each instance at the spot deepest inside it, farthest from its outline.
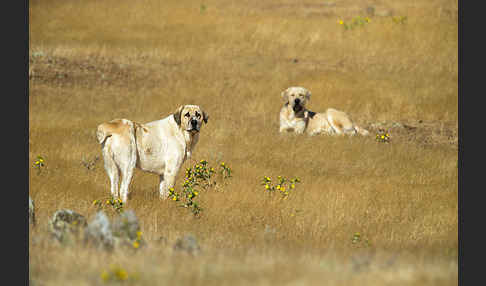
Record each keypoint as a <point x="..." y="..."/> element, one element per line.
<point x="294" y="117"/>
<point x="159" y="147"/>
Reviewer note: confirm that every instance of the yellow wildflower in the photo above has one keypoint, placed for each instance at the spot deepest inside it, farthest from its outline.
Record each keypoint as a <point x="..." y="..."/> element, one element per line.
<point x="121" y="274"/>
<point x="105" y="275"/>
<point x="341" y="22"/>
<point x="136" y="244"/>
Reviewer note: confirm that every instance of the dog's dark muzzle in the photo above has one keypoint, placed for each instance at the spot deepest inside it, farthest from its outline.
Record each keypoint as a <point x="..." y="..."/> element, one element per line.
<point x="297" y="107"/>
<point x="194" y="125"/>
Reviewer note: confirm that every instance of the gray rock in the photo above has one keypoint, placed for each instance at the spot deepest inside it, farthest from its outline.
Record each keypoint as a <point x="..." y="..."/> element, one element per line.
<point x="126" y="230"/>
<point x="362" y="260"/>
<point x="187" y="243"/>
<point x="31" y="212"/>
<point x="126" y="225"/>
<point x="99" y="232"/>
<point x="66" y="225"/>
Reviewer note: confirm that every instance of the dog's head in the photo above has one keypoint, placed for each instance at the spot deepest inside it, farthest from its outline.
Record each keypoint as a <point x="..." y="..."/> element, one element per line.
<point x="296" y="97"/>
<point x="190" y="118"/>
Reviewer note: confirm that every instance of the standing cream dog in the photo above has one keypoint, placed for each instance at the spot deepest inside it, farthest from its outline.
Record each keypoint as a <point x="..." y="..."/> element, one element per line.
<point x="294" y="117"/>
<point x="160" y="147"/>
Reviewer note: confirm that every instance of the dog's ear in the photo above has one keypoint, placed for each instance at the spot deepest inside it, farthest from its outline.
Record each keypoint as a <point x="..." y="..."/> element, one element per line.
<point x="177" y="115"/>
<point x="205" y="116"/>
<point x="307" y="94"/>
<point x="310" y="113"/>
<point x="284" y="95"/>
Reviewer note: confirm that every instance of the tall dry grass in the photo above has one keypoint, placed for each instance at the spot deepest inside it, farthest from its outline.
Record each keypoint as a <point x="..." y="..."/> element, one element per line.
<point x="92" y="61"/>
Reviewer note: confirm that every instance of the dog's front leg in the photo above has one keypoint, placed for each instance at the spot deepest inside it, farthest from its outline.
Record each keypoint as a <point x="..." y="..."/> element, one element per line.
<point x="167" y="180"/>
<point x="163" y="191"/>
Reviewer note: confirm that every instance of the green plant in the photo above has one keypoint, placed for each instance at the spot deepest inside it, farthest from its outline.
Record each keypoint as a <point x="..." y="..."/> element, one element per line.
<point x="117" y="273"/>
<point x="114" y="204"/>
<point x="200" y="177"/>
<point x="90" y="164"/>
<point x="358" y="240"/>
<point x="39" y="164"/>
<point x="138" y="240"/>
<point x="355" y="22"/>
<point x="399" y="19"/>
<point x="225" y="171"/>
<point x="383" y="136"/>
<point x="283" y="185"/>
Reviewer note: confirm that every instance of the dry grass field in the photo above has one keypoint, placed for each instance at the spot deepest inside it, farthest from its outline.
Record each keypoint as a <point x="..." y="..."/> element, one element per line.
<point x="93" y="61"/>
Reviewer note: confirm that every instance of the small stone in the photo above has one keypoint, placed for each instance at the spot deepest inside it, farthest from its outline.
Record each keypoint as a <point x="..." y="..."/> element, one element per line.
<point x="188" y="244"/>
<point x="31" y="212"/>
<point x="66" y="225"/>
<point x="126" y="230"/>
<point x="99" y="232"/>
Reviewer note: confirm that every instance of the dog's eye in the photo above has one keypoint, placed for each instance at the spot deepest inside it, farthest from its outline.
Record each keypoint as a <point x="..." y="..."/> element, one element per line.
<point x="187" y="115"/>
<point x="198" y="115"/>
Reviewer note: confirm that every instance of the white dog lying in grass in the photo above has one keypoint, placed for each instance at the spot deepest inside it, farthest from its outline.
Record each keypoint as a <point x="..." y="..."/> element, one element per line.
<point x="294" y="117"/>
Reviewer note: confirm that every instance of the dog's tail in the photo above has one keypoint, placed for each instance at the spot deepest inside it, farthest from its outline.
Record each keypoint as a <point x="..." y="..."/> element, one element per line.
<point x="116" y="126"/>
<point x="361" y="131"/>
<point x="102" y="134"/>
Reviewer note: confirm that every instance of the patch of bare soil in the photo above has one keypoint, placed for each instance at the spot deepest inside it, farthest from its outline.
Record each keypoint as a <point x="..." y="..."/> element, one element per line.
<point x="61" y="71"/>
<point x="426" y="134"/>
<point x="327" y="9"/>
